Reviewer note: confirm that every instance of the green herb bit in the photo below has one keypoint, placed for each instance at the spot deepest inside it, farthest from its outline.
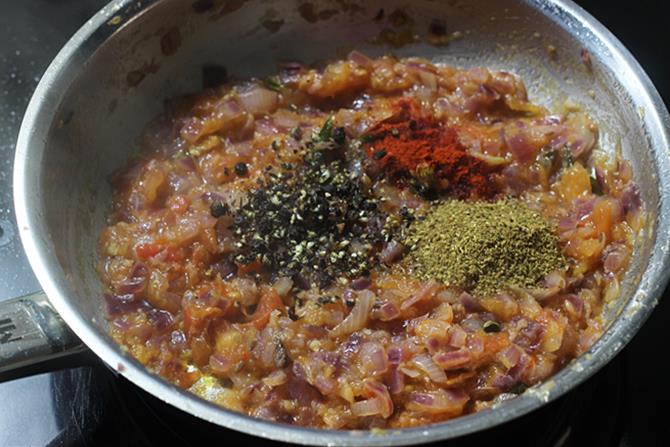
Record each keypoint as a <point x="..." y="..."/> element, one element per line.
<point x="181" y="153"/>
<point x="273" y="83"/>
<point x="367" y="138"/>
<point x="326" y="132"/>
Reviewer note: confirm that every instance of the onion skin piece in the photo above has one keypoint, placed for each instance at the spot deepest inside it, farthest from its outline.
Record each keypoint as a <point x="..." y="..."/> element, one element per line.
<point x="358" y="316"/>
<point x="258" y="100"/>
<point x="380" y="404"/>
<point x="453" y="359"/>
<point x="426" y="292"/>
<point x="373" y="358"/>
<point x="432" y="370"/>
<point x="438" y="402"/>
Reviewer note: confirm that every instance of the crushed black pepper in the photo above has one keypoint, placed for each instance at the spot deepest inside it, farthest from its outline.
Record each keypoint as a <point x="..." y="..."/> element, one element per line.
<point x="241" y="169"/>
<point x="218" y="209"/>
<point x="315" y="221"/>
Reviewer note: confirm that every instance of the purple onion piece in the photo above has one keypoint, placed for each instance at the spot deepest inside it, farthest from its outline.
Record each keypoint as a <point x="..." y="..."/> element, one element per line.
<point x="160" y="319"/>
<point x="503" y="381"/>
<point x="226" y="269"/>
<point x="131" y="287"/>
<point x="470" y="303"/>
<point x="116" y="305"/>
<point x="392" y="252"/>
<point x="630" y="198"/>
<point x="361" y="283"/>
<point x="394" y="355"/>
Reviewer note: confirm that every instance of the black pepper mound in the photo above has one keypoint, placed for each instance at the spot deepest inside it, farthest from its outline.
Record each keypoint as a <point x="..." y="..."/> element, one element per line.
<point x="315" y="222"/>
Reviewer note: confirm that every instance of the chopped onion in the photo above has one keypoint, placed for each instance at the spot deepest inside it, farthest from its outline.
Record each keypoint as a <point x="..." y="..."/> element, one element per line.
<point x="510" y="356"/>
<point x="581" y="137"/>
<point x="519" y="143"/>
<point x="427" y="78"/>
<point x="229" y="109"/>
<point x="584" y="207"/>
<point x="446" y="108"/>
<point x="427" y="365"/>
<point x="358" y="317"/>
<point x="554" y="284"/>
<point x="276" y="378"/>
<point x="388" y="311"/>
<point x="373" y="358"/>
<point x="491" y="160"/>
<point x="553" y="336"/>
<point x="289" y="71"/>
<point x="453" y="359"/>
<point x="438" y="402"/>
<point x="457" y="336"/>
<point x="325" y="385"/>
<point x="472" y="323"/>
<point x="470" y="303"/>
<point x="448" y="296"/>
<point x="396" y="380"/>
<point x="391" y="252"/>
<point x="360" y="59"/>
<point x="225" y="269"/>
<point x="219" y="364"/>
<point x="381" y="404"/>
<point x="259" y="100"/>
<point x="502" y="381"/>
<point x="574" y="305"/>
<point x="380" y="391"/>
<point x="286" y="120"/>
<point x="132" y="286"/>
<point x="475" y="345"/>
<point x="116" y="305"/>
<point x="283" y="286"/>
<point x="630" y="198"/>
<point x="612" y="290"/>
<point x="370" y="407"/>
<point x="413" y="373"/>
<point x="265" y="347"/>
<point x="361" y="283"/>
<point x="160" y="319"/>
<point x="395" y="355"/>
<point x="524" y="364"/>
<point x="433" y="344"/>
<point x="426" y="292"/>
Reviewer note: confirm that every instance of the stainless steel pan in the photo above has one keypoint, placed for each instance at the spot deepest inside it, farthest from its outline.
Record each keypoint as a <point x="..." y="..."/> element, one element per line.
<point x="113" y="75"/>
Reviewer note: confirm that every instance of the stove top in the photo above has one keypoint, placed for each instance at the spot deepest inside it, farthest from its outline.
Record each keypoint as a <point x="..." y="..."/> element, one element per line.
<point x="91" y="405"/>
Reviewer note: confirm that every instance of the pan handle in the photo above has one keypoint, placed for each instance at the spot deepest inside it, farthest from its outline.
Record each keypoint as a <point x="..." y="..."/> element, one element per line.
<point x="32" y="334"/>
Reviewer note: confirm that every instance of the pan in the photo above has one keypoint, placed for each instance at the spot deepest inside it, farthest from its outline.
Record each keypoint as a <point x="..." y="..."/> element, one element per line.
<point x="112" y="77"/>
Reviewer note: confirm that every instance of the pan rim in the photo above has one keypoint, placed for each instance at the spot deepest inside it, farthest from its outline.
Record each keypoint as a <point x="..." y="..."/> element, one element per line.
<point x="41" y="113"/>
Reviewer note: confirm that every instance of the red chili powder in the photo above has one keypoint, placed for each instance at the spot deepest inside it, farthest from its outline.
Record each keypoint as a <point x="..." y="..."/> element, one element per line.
<point x="415" y="146"/>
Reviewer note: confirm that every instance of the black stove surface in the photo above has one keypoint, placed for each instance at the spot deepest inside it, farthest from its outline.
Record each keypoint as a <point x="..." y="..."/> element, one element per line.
<point x="91" y="405"/>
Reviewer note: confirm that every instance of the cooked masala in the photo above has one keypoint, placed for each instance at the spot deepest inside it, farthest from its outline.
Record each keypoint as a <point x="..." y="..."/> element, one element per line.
<point x="381" y="243"/>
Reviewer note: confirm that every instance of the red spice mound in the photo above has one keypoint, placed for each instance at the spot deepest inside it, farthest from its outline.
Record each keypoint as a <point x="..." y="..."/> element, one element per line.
<point x="425" y="149"/>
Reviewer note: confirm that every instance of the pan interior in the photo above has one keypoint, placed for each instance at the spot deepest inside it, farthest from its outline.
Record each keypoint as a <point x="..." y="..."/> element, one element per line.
<point x="118" y="78"/>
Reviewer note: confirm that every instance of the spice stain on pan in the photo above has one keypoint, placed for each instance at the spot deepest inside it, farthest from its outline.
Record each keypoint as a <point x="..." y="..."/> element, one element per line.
<point x="171" y="41"/>
<point x="227" y="7"/>
<point x="134" y="77"/>
<point x="201" y="6"/>
<point x="111" y="107"/>
<point x="272" y="25"/>
<point x="308" y="12"/>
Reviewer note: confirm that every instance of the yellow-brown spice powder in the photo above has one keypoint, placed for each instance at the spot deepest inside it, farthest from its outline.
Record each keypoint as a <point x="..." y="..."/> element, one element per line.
<point x="483" y="247"/>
